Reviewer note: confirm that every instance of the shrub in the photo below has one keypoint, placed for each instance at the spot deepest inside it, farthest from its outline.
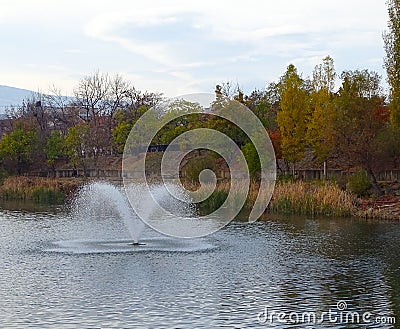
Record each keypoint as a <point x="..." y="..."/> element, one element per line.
<point x="252" y="159"/>
<point x="213" y="202"/>
<point x="359" y="183"/>
<point x="284" y="178"/>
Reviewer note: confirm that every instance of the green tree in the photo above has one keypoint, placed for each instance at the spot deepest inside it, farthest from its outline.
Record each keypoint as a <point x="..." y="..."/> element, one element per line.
<point x="265" y="105"/>
<point x="78" y="145"/>
<point x="120" y="134"/>
<point x="294" y="115"/>
<point x="392" y="61"/>
<point x="125" y="119"/>
<point x="230" y="101"/>
<point x="55" y="148"/>
<point x="252" y="159"/>
<point x="19" y="145"/>
<point x="172" y="128"/>
<point x="386" y="145"/>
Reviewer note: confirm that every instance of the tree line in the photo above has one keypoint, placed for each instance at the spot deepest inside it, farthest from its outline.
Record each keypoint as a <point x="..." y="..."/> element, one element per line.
<point x="50" y="126"/>
<point x="345" y="116"/>
<point x="300" y="114"/>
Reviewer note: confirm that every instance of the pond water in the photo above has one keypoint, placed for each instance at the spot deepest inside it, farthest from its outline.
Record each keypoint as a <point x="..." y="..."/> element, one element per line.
<point x="61" y="271"/>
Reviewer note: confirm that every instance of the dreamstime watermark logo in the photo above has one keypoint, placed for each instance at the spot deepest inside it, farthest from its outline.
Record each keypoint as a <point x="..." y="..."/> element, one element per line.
<point x="174" y="116"/>
<point x="338" y="315"/>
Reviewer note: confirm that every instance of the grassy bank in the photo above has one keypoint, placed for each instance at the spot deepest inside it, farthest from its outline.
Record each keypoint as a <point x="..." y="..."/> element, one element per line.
<point x="38" y="189"/>
<point x="312" y="199"/>
<point x="293" y="198"/>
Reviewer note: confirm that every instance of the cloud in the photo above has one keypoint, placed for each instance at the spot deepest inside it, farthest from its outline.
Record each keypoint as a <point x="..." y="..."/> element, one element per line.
<point x="73" y="51"/>
<point x="262" y="28"/>
<point x="105" y="27"/>
<point x="175" y="45"/>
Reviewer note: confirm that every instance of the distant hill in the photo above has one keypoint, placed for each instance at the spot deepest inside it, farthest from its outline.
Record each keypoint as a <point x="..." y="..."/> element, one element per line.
<point x="12" y="96"/>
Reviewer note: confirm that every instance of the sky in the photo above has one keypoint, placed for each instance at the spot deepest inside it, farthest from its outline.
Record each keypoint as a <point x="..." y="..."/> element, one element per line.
<point x="179" y="47"/>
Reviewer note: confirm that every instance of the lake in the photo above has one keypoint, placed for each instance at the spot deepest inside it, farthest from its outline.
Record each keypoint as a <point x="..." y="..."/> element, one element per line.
<point x="61" y="271"/>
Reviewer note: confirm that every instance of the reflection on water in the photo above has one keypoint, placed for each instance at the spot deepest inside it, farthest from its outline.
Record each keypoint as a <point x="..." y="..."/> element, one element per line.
<point x="287" y="264"/>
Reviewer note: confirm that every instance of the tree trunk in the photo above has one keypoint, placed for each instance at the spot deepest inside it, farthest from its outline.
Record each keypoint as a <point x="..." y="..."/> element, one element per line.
<point x="19" y="166"/>
<point x="377" y="190"/>
<point x="53" y="170"/>
<point x="83" y="163"/>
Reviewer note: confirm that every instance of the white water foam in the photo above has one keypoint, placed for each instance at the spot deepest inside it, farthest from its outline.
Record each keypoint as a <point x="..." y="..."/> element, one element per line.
<point x="102" y="197"/>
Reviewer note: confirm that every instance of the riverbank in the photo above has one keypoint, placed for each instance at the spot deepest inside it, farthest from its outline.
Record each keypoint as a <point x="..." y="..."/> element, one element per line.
<point x="320" y="198"/>
<point x="293" y="197"/>
<point x="315" y="198"/>
<point x="38" y="189"/>
<point x="385" y="207"/>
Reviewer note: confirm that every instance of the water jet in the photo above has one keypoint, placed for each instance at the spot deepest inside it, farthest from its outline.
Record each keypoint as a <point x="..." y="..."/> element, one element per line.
<point x="103" y="201"/>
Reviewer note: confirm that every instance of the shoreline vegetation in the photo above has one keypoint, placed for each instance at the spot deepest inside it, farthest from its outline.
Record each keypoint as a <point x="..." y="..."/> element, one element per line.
<point x="289" y="197"/>
<point x="38" y="189"/>
<point x="314" y="198"/>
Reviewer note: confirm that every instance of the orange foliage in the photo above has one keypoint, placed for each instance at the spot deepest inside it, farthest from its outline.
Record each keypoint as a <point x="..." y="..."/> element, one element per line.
<point x="276" y="139"/>
<point x="382" y="113"/>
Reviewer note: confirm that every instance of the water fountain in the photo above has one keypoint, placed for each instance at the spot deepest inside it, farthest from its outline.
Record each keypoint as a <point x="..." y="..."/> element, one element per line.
<point x="97" y="201"/>
<point x="98" y="197"/>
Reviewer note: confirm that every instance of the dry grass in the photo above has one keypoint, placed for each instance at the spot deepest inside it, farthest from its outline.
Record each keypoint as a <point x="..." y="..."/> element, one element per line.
<point x="37" y="188"/>
<point x="292" y="197"/>
<point x="312" y="199"/>
<point x="298" y="197"/>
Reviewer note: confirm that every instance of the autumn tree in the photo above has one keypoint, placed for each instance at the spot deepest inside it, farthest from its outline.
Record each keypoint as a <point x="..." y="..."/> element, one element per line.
<point x="102" y="99"/>
<point x="319" y="135"/>
<point x="97" y="97"/>
<point x="392" y="60"/>
<point x="91" y="95"/>
<point x="32" y="113"/>
<point x="294" y="115"/>
<point x="356" y="123"/>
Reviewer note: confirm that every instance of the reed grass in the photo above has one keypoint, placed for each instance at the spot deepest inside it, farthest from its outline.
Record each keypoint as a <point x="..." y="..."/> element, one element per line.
<point x="294" y="197"/>
<point x="38" y="189"/>
<point x="213" y="202"/>
<point x="312" y="198"/>
<point x="297" y="197"/>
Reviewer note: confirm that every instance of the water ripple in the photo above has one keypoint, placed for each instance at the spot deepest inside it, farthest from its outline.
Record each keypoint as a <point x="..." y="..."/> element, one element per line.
<point x="62" y="272"/>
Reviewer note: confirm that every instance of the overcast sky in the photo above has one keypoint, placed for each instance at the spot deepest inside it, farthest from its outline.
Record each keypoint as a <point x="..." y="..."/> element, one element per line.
<point x="178" y="47"/>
